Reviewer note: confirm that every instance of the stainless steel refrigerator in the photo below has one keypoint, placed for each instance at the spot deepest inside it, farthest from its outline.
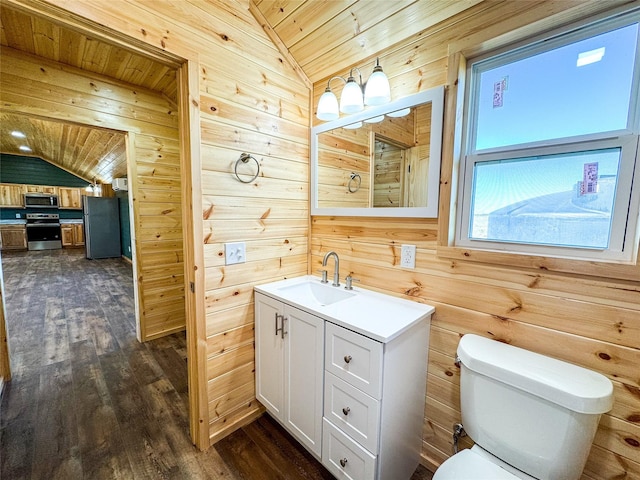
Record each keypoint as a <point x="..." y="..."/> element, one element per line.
<point x="101" y="227"/>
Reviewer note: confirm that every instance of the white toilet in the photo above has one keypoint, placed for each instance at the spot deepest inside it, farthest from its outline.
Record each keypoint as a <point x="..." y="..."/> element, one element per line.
<point x="530" y="416"/>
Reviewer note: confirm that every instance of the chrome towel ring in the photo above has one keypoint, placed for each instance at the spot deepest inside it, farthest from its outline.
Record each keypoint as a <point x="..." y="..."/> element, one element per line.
<point x="355" y="180"/>
<point x="244" y="158"/>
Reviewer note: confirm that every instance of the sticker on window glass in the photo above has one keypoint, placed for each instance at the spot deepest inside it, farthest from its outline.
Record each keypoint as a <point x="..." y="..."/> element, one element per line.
<point x="498" y="91"/>
<point x="589" y="183"/>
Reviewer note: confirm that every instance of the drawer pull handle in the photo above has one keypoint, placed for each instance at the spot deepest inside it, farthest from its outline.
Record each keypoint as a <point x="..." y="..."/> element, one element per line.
<point x="346" y="410"/>
<point x="343" y="462"/>
<point x="347" y="358"/>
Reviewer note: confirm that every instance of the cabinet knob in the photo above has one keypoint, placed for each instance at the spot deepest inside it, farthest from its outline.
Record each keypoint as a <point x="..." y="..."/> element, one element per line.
<point x="346" y="410"/>
<point x="343" y="462"/>
<point x="347" y="358"/>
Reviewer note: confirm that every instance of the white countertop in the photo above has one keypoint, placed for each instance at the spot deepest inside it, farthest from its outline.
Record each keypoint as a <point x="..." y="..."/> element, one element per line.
<point x="375" y="315"/>
<point x="70" y="220"/>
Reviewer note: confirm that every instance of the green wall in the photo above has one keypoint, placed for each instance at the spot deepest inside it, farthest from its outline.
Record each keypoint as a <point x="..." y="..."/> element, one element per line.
<point x="125" y="223"/>
<point x="35" y="171"/>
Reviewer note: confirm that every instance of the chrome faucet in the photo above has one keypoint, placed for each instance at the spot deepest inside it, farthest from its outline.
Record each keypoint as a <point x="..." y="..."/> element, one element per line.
<point x="336" y="272"/>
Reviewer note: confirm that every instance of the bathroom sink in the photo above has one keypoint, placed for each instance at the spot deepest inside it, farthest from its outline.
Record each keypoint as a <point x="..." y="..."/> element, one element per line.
<point x="376" y="315"/>
<point x="322" y="293"/>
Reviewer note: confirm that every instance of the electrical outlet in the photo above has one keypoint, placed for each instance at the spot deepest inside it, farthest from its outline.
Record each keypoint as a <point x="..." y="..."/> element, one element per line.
<point x="408" y="256"/>
<point x="17" y="215"/>
<point x="234" y="253"/>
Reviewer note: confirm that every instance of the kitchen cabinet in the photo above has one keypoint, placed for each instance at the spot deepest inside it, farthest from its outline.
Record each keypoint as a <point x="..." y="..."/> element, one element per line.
<point x="11" y="195"/>
<point x="13" y="237"/>
<point x="70" y="198"/>
<point x="289" y="368"/>
<point x="41" y="189"/>
<point x="72" y="234"/>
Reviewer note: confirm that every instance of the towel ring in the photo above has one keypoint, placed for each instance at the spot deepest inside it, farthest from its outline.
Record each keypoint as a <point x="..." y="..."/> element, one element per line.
<point x="244" y="158"/>
<point x="352" y="179"/>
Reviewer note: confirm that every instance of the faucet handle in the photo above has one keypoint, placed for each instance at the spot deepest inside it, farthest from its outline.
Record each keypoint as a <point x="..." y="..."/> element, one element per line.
<point x="324" y="276"/>
<point x="348" y="279"/>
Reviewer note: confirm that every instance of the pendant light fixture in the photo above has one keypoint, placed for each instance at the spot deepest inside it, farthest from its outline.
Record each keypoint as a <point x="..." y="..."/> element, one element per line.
<point x="352" y="99"/>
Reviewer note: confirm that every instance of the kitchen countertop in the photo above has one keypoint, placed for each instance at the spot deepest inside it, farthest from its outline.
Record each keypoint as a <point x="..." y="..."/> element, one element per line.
<point x="70" y="220"/>
<point x="13" y="221"/>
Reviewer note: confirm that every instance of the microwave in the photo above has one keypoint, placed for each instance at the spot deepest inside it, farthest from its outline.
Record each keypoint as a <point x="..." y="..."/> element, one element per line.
<point x="40" y="200"/>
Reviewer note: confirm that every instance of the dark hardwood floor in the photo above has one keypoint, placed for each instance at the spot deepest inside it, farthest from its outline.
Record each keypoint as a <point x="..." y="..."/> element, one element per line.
<point x="88" y="401"/>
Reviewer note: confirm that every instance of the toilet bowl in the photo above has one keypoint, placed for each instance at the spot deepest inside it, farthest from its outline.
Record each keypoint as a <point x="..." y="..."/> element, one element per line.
<point x="478" y="464"/>
<point x="531" y="417"/>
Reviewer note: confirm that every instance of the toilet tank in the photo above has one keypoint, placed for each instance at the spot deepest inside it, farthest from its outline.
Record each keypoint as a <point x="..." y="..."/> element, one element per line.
<point x="534" y="412"/>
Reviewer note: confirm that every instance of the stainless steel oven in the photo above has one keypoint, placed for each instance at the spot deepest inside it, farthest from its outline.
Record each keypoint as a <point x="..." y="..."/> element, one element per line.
<point x="43" y="231"/>
<point x="40" y="200"/>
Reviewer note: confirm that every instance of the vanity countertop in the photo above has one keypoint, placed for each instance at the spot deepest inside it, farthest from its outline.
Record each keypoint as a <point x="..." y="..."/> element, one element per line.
<point x="375" y="315"/>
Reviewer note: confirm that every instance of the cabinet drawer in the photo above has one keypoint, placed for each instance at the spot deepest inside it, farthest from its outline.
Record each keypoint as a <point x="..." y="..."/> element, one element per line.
<point x="354" y="358"/>
<point x="353" y="411"/>
<point x="343" y="457"/>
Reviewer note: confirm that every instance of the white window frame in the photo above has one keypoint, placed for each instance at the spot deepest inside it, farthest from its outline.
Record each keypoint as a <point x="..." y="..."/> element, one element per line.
<point x="623" y="245"/>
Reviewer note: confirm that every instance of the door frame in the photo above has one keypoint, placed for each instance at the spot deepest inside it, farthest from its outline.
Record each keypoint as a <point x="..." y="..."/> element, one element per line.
<point x="190" y="165"/>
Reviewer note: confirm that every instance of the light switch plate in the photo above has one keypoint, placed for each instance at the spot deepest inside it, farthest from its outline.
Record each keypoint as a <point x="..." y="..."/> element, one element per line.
<point x="235" y="252"/>
<point x="408" y="256"/>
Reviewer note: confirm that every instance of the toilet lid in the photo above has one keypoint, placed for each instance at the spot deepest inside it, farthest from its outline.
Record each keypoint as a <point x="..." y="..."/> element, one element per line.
<point x="467" y="464"/>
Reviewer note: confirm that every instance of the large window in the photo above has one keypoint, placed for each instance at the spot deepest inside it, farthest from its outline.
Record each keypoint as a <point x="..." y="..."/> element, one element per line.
<point x="551" y="147"/>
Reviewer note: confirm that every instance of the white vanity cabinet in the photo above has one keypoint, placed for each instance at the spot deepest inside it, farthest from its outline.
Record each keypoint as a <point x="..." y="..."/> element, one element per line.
<point x="289" y="368"/>
<point x="374" y="396"/>
<point x="346" y="375"/>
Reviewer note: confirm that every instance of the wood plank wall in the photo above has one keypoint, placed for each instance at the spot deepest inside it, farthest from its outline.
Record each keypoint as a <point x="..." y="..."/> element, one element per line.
<point x="251" y="100"/>
<point x="592" y="321"/>
<point x="33" y="86"/>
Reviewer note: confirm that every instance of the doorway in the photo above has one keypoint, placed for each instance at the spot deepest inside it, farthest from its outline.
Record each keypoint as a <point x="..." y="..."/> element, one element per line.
<point x="160" y="160"/>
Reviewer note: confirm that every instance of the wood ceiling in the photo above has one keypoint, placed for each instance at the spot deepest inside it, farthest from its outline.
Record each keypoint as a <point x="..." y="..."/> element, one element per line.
<point x="329" y="36"/>
<point x="87" y="152"/>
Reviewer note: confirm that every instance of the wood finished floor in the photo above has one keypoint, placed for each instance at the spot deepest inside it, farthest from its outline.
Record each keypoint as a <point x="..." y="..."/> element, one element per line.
<point x="88" y="401"/>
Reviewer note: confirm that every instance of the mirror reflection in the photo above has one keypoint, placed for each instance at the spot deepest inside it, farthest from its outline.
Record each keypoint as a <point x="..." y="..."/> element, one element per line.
<point x="383" y="163"/>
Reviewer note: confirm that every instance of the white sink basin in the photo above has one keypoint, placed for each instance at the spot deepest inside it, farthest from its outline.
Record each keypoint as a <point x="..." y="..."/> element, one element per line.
<point x="322" y="293"/>
<point x="376" y="315"/>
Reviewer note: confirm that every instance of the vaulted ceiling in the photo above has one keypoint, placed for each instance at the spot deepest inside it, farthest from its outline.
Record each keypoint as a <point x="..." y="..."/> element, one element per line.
<point x="320" y="36"/>
<point x="328" y="36"/>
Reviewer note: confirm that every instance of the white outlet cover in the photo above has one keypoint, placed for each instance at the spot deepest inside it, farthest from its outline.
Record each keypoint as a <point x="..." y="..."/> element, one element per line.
<point x="234" y="252"/>
<point x="408" y="256"/>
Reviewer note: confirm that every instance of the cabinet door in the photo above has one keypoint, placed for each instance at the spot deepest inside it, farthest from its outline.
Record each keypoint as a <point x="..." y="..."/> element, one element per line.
<point x="13" y="238"/>
<point x="304" y="344"/>
<point x="70" y="197"/>
<point x="11" y="195"/>
<point x="269" y="355"/>
<point x="49" y="189"/>
<point x="67" y="235"/>
<point x="78" y="234"/>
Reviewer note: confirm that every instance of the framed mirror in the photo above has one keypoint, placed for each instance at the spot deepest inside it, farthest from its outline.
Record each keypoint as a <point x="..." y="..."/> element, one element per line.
<point x="382" y="162"/>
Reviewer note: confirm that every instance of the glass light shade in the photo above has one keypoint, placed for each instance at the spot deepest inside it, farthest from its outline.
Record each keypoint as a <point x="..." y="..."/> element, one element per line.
<point x="377" y="91"/>
<point x="400" y="113"/>
<point x="377" y="119"/>
<point x="328" y="106"/>
<point x="353" y="126"/>
<point x="351" y="98"/>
